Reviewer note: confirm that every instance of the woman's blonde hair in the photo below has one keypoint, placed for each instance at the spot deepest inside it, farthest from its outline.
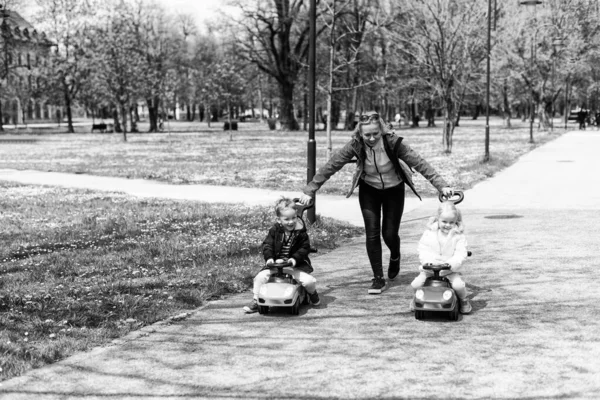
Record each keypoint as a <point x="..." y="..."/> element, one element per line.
<point x="448" y="206"/>
<point x="383" y="128"/>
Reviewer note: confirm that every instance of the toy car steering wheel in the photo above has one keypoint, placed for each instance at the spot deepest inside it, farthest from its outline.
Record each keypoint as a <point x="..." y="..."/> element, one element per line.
<point x="434" y="267"/>
<point x="279" y="264"/>
<point x="459" y="194"/>
<point x="301" y="207"/>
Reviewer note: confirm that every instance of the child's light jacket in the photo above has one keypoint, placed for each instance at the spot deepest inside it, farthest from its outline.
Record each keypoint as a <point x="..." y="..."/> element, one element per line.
<point x="453" y="252"/>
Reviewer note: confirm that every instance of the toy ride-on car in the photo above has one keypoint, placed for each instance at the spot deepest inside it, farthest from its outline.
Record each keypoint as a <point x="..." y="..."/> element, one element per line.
<point x="437" y="295"/>
<point x="281" y="290"/>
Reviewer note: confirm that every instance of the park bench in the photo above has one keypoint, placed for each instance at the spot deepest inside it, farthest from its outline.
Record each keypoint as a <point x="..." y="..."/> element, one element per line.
<point x="100" y="127"/>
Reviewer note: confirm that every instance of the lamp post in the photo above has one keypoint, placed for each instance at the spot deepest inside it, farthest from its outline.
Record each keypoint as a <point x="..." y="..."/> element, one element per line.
<point x="533" y="3"/>
<point x="486" y="157"/>
<point x="557" y="43"/>
<point x="4" y="74"/>
<point x="312" y="144"/>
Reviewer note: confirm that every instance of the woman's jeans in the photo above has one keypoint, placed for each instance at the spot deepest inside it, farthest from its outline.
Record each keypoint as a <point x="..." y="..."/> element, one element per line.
<point x="382" y="211"/>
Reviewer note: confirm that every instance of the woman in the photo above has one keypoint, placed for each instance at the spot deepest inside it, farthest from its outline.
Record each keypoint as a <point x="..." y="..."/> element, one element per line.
<point x="383" y="168"/>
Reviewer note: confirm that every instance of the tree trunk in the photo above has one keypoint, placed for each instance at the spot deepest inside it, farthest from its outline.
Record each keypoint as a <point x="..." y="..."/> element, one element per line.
<point x="153" y="104"/>
<point x="449" y="119"/>
<point x="260" y="99"/>
<point x="1" y="118"/>
<point x="116" y="120"/>
<point x="229" y="120"/>
<point x="133" y="119"/>
<point x="460" y="106"/>
<point x="70" y="128"/>
<point x="124" y="117"/>
<point x="505" y="106"/>
<point x="430" y="114"/>
<point x="286" y="113"/>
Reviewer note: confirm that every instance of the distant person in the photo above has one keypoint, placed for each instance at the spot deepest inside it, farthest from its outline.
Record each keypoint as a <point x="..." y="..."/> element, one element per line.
<point x="382" y="171"/>
<point x="581" y="117"/>
<point x="287" y="240"/>
<point x="444" y="242"/>
<point x="597" y="117"/>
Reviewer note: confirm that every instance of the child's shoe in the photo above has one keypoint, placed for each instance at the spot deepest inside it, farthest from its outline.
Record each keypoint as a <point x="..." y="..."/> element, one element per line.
<point x="314" y="298"/>
<point x="465" y="306"/>
<point x="378" y="286"/>
<point x="394" y="268"/>
<point x="252" y="307"/>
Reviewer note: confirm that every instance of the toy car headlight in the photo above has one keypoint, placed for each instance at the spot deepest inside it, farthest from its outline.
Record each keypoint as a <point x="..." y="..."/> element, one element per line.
<point x="263" y="290"/>
<point x="447" y="295"/>
<point x="288" y="291"/>
<point x="419" y="294"/>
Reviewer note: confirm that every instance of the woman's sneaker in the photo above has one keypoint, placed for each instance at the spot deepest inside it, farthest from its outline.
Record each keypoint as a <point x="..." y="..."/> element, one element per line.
<point x="378" y="286"/>
<point x="314" y="298"/>
<point x="394" y="268"/>
<point x="465" y="306"/>
<point x="252" y="307"/>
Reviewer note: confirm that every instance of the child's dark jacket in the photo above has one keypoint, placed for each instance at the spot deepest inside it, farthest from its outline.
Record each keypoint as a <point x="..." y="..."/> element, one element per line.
<point x="299" y="249"/>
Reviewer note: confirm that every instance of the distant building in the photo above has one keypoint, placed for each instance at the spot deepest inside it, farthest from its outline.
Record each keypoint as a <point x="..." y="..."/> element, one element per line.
<point x="24" y="51"/>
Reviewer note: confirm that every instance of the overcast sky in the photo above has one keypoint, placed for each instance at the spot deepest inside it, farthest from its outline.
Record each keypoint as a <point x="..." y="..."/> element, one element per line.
<point x="201" y="10"/>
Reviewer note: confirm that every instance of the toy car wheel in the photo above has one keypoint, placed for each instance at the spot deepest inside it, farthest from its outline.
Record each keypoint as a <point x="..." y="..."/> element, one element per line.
<point x="263" y="309"/>
<point x="419" y="314"/>
<point x="453" y="315"/>
<point x="296" y="308"/>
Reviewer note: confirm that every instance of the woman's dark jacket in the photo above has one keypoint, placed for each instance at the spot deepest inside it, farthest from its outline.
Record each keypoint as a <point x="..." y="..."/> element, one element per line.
<point x="401" y="155"/>
<point x="299" y="249"/>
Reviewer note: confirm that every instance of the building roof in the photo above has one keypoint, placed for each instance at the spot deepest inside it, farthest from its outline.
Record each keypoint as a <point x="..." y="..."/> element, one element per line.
<point x="21" y="28"/>
<point x="14" y="19"/>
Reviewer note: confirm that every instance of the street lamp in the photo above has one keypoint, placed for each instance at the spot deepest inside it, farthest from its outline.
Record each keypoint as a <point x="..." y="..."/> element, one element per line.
<point x="557" y="43"/>
<point x="486" y="157"/>
<point x="4" y="73"/>
<point x="312" y="144"/>
<point x="533" y="3"/>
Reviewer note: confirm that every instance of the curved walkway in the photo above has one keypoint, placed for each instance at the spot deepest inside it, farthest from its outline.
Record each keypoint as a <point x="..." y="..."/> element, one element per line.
<point x="328" y="205"/>
<point x="534" y="332"/>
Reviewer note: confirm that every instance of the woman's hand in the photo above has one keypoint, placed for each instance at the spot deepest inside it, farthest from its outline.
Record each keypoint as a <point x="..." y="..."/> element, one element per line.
<point x="447" y="192"/>
<point x="305" y="199"/>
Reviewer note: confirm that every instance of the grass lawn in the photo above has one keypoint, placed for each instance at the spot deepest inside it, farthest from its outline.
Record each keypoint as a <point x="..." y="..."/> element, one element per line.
<point x="257" y="157"/>
<point x="78" y="268"/>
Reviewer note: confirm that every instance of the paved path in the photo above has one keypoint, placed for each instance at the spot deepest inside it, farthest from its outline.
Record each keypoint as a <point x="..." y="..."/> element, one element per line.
<point x="338" y="207"/>
<point x="536" y="322"/>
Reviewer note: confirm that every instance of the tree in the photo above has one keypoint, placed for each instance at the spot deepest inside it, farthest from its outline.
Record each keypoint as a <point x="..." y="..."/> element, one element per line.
<point x="117" y="59"/>
<point x="157" y="47"/>
<point x="273" y="34"/>
<point x="444" y="39"/>
<point x="66" y="22"/>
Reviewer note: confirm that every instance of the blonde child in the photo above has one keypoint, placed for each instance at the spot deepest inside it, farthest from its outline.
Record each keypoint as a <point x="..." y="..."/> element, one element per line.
<point x="444" y="243"/>
<point x="287" y="240"/>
